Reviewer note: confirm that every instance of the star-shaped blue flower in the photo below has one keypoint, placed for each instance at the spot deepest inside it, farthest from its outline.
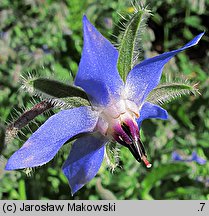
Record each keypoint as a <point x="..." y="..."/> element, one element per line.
<point x="117" y="112"/>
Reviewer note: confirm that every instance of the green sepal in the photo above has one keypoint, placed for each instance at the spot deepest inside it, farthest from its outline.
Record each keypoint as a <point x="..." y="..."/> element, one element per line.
<point x="57" y="89"/>
<point x="74" y="101"/>
<point x="129" y="45"/>
<point x="168" y="91"/>
<point x="112" y="155"/>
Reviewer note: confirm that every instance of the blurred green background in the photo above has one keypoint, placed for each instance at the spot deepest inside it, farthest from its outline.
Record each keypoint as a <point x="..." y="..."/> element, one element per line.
<point x="45" y="37"/>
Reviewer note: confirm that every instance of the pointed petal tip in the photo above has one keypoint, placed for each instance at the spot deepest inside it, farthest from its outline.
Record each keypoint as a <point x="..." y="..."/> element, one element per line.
<point x="72" y="193"/>
<point x="84" y="18"/>
<point x="72" y="190"/>
<point x="74" y="186"/>
<point x="193" y="42"/>
<point x="75" y="189"/>
<point x="11" y="165"/>
<point x="201" y="34"/>
<point x="8" y="167"/>
<point x="198" y="37"/>
<point x="87" y="25"/>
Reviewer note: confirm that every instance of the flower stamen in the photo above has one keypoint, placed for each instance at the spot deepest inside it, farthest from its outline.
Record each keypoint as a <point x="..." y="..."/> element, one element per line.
<point x="146" y="162"/>
<point x="134" y="145"/>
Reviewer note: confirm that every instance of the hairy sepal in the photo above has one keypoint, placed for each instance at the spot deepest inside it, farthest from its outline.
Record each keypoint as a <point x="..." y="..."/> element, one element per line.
<point x="60" y="94"/>
<point x="168" y="91"/>
<point x="129" y="44"/>
<point x="25" y="118"/>
<point x="112" y="155"/>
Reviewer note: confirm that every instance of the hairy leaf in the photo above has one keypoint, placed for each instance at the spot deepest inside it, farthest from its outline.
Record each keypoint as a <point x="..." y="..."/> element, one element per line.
<point x="168" y="91"/>
<point x="129" y="44"/>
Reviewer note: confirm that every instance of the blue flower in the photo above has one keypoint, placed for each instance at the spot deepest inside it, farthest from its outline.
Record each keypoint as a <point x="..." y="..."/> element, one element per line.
<point x="177" y="157"/>
<point x="117" y="112"/>
<point x="193" y="157"/>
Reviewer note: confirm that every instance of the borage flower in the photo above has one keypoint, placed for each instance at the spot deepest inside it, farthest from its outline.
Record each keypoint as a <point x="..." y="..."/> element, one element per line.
<point x="116" y="112"/>
<point x="193" y="158"/>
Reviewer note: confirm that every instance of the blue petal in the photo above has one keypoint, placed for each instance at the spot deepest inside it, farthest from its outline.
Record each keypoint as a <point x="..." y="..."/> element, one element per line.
<point x="84" y="161"/>
<point x="150" y="110"/>
<point x="198" y="159"/>
<point x="97" y="73"/>
<point x="146" y="75"/>
<point x="177" y="157"/>
<point x="44" y="143"/>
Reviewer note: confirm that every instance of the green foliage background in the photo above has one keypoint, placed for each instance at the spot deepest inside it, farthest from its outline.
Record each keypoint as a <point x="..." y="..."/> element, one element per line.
<point x="46" y="37"/>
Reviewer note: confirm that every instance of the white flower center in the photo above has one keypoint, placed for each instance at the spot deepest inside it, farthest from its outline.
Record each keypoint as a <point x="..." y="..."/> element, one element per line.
<point x="118" y="122"/>
<point x="115" y="114"/>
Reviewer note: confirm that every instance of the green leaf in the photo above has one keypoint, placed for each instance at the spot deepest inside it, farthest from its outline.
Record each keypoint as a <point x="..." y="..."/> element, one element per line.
<point x="160" y="173"/>
<point x="168" y="91"/>
<point x="193" y="21"/>
<point x="129" y="45"/>
<point x="188" y="192"/>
